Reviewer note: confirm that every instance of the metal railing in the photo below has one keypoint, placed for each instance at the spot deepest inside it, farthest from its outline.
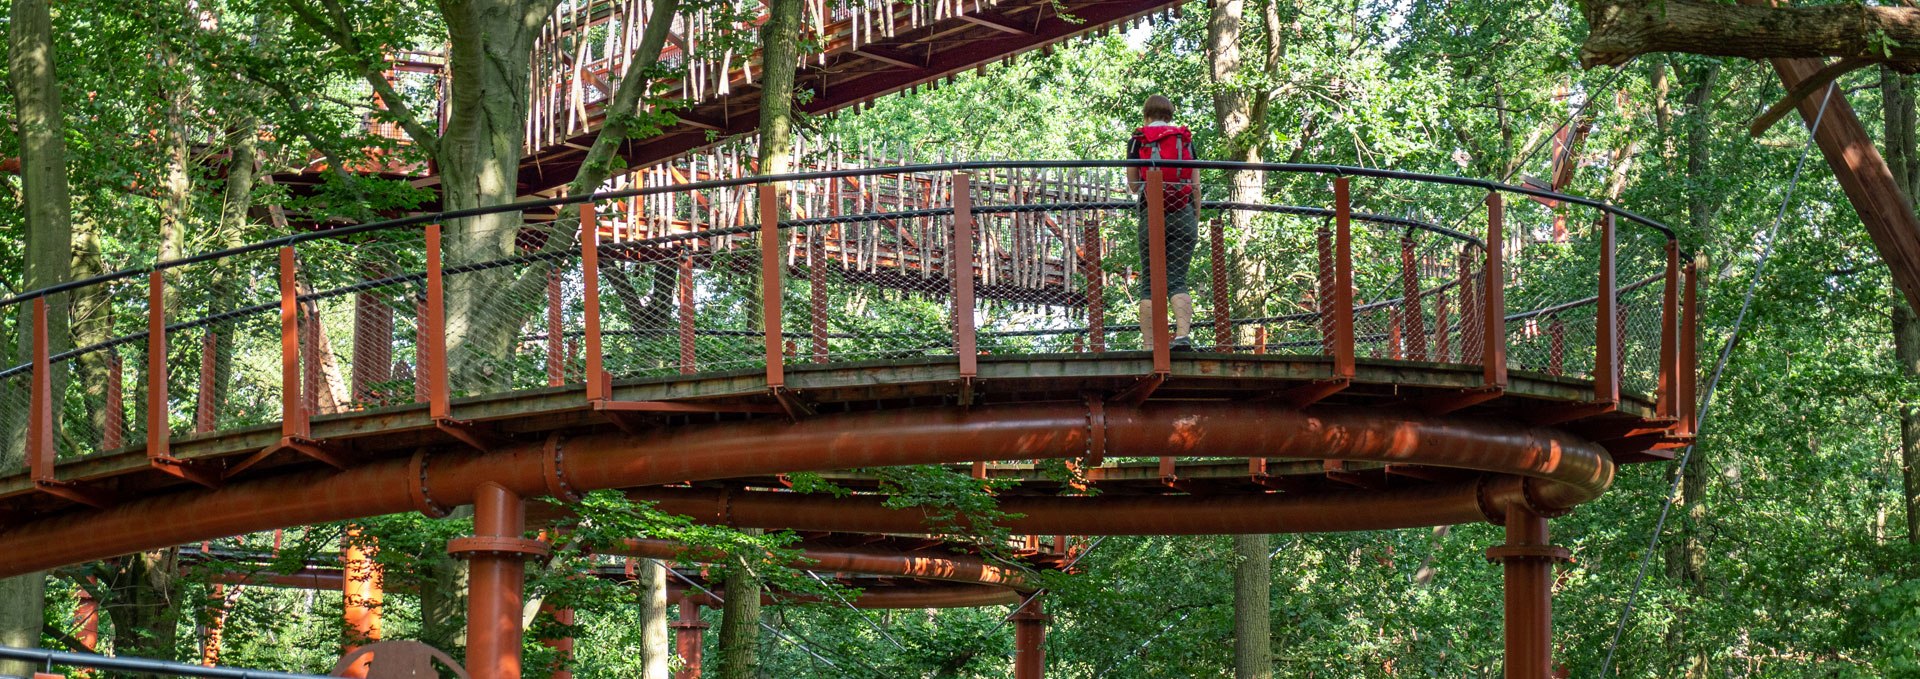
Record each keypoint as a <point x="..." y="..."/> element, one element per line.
<point x="49" y="659"/>
<point x="759" y="274"/>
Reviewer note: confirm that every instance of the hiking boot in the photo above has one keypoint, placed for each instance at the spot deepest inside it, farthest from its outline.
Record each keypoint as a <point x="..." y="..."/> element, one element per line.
<point x="1181" y="344"/>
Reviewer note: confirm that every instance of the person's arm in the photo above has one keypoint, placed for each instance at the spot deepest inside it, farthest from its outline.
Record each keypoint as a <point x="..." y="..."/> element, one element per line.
<point x="1134" y="183"/>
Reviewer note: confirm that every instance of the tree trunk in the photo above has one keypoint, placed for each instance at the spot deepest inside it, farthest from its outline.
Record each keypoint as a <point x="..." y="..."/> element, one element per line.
<point x="780" y="59"/>
<point x="1903" y="159"/>
<point x="1687" y="557"/>
<point x="49" y="256"/>
<point x="739" y="651"/>
<point x="143" y="599"/>
<point x="1252" y="596"/>
<point x="489" y="58"/>
<point x="1619" y="30"/>
<point x="656" y="642"/>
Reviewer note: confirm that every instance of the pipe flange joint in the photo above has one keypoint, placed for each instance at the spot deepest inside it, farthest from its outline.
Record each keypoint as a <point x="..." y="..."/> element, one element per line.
<point x="1492" y="511"/>
<point x="483" y="545"/>
<point x="1537" y="506"/>
<point x="553" y="466"/>
<point x="417" y="487"/>
<point x="1096" y="431"/>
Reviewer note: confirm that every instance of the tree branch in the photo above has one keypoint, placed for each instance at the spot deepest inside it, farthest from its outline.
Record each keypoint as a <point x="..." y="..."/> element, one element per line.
<point x="339" y="29"/>
<point x="1622" y="29"/>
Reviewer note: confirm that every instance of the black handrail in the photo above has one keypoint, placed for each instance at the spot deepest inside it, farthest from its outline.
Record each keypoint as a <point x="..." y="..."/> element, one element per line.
<point x="1336" y="170"/>
<point x="146" y="665"/>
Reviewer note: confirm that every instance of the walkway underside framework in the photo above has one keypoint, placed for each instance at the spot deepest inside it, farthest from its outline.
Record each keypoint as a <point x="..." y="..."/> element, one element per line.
<point x="1417" y="376"/>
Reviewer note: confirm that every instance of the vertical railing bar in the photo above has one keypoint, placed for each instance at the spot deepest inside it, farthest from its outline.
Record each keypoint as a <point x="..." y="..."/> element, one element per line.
<point x="770" y="284"/>
<point x="1343" y="340"/>
<point x="159" y="437"/>
<point x="599" y="387"/>
<point x="1666" y="398"/>
<point x="293" y="407"/>
<point x="1493" y="301"/>
<point x="1689" y="352"/>
<point x="433" y="333"/>
<point x="40" y="451"/>
<point x="1606" y="333"/>
<point x="1162" y="337"/>
<point x="960" y="263"/>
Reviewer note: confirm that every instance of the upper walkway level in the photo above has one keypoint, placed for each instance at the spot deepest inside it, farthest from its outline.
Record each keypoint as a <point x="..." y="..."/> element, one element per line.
<point x="859" y="51"/>
<point x="758" y="298"/>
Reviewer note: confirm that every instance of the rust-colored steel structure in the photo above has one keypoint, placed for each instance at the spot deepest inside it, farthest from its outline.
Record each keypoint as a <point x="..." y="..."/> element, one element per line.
<point x="1415" y="391"/>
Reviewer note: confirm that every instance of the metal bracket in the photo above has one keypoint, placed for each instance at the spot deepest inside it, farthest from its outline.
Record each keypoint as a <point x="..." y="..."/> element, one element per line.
<point x="200" y="472"/>
<point x="89" y="496"/>
<point x="307" y="447"/>
<point x="792" y="404"/>
<point x="1443" y="404"/>
<point x="1305" y="395"/>
<point x="1560" y="414"/>
<point x="474" y="435"/>
<point x="1139" y="392"/>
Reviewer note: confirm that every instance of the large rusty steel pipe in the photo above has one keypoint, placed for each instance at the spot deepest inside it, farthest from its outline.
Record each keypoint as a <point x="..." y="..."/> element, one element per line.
<point x="927" y="566"/>
<point x="931" y="596"/>
<point x="1527" y="559"/>
<point x="1566" y="470"/>
<point x="1214" y="514"/>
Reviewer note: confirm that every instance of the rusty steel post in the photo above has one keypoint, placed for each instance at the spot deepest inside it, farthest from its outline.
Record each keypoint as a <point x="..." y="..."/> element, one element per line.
<point x="363" y="595"/>
<point x="563" y="646"/>
<point x="1343" y="366"/>
<point x="159" y="434"/>
<point x="1471" y="338"/>
<point x="687" y="631"/>
<point x="217" y="630"/>
<point x="770" y="284"/>
<point x="1030" y="639"/>
<point x="1096" y="287"/>
<point x="686" y="315"/>
<point x="1157" y="273"/>
<point x="1413" y="321"/>
<point x="961" y="263"/>
<point x="599" y="387"/>
<point x="1606" y="335"/>
<point x="86" y="621"/>
<point x="293" y="407"/>
<point x="1667" y="392"/>
<point x="1494" y="338"/>
<point x="1528" y="559"/>
<point x="1690" y="354"/>
<point x="433" y="333"/>
<point x="496" y="580"/>
<point x="40" y="430"/>
<point x="1222" y="303"/>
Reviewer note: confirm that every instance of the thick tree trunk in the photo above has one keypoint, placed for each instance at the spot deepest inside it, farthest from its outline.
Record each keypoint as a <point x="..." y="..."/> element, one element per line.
<point x="739" y="651"/>
<point x="656" y="641"/>
<point x="144" y="602"/>
<point x="1619" y="30"/>
<point x="489" y="58"/>
<point x="1687" y="557"/>
<point x="1252" y="597"/>
<point x="1903" y="159"/>
<point x="49" y="253"/>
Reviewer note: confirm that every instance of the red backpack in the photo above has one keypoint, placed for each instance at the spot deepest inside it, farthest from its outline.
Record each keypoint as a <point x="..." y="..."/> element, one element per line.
<point x="1167" y="142"/>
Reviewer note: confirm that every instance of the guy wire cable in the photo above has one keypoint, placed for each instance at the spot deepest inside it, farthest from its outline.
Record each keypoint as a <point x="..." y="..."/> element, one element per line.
<point x="1719" y="367"/>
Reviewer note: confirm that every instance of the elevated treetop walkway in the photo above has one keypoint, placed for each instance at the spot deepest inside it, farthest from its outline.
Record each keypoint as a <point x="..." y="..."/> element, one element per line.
<point x="862" y="50"/>
<point x="1376" y="349"/>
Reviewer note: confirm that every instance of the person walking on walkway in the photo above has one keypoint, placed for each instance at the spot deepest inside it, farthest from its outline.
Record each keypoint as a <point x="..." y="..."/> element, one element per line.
<point x="1160" y="139"/>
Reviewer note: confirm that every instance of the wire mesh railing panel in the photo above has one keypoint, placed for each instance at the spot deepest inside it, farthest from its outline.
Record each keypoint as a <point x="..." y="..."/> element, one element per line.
<point x="1641" y="256"/>
<point x="361" y="299"/>
<point x="496" y="279"/>
<point x="224" y="343"/>
<point x="1037" y="276"/>
<point x="645" y="322"/>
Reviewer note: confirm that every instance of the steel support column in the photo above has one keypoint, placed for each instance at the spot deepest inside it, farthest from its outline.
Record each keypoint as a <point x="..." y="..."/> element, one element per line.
<point x="1030" y="640"/>
<point x="363" y="594"/>
<point x="1528" y="559"/>
<point x="496" y="581"/>
<point x="687" y="632"/>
